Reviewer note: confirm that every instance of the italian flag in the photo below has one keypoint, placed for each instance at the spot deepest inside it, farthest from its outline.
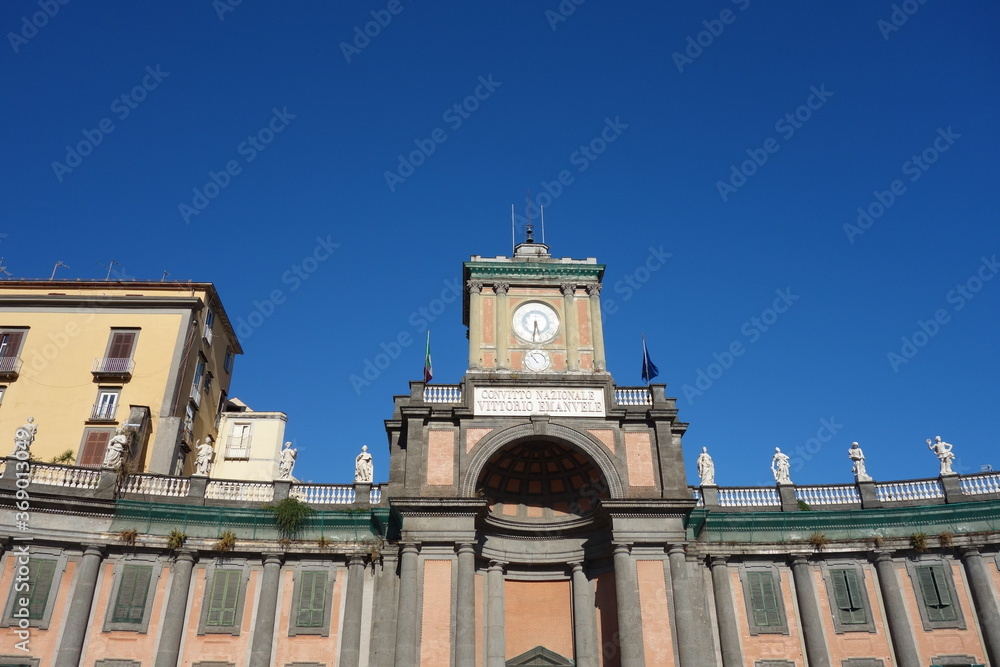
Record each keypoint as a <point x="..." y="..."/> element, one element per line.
<point x="428" y="368"/>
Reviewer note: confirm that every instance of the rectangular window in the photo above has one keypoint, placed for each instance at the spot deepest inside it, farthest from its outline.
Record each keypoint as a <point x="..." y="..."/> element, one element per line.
<point x="121" y="344"/>
<point x="228" y="362"/>
<point x="10" y="350"/>
<point x="207" y="330"/>
<point x="40" y="575"/>
<point x="131" y="601"/>
<point x="763" y="599"/>
<point x="223" y="598"/>
<point x="95" y="442"/>
<point x="208" y="383"/>
<point x="106" y="405"/>
<point x="199" y="373"/>
<point x="936" y="593"/>
<point x="312" y="600"/>
<point x="849" y="599"/>
<point x="238" y="445"/>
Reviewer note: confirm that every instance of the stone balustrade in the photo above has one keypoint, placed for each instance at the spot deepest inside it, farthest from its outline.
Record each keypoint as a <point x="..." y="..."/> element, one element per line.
<point x="323" y="494"/>
<point x="443" y="393"/>
<point x="974" y="485"/>
<point x="915" y="489"/>
<point x="157" y="485"/>
<point x="829" y="494"/>
<point x="633" y="396"/>
<point x="71" y="477"/>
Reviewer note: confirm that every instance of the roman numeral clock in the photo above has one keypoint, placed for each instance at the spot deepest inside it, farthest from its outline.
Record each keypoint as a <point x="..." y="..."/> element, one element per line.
<point x="532" y="313"/>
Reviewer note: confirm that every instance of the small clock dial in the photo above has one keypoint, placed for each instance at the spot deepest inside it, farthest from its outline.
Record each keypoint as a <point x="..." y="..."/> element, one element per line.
<point x="537" y="360"/>
<point x="535" y="322"/>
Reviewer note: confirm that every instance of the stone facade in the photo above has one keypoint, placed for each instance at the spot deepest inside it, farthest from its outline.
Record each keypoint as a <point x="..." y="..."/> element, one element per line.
<point x="534" y="514"/>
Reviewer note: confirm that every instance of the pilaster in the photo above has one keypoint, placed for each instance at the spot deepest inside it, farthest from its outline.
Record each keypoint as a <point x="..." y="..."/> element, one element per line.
<point x="267" y="606"/>
<point x="78" y="616"/>
<point x="812" y="623"/>
<point x="629" y="613"/>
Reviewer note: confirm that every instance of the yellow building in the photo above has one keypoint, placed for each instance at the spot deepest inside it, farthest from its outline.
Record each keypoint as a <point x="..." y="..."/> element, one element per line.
<point x="86" y="358"/>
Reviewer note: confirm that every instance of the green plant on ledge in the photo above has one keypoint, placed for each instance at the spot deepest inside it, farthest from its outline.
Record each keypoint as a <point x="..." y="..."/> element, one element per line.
<point x="947" y="539"/>
<point x="128" y="536"/>
<point x="176" y="539"/>
<point x="289" y="514"/>
<point x="66" y="458"/>
<point x="324" y="543"/>
<point x="818" y="541"/>
<point x="285" y="543"/>
<point x="227" y="541"/>
<point x="919" y="541"/>
<point x="804" y="506"/>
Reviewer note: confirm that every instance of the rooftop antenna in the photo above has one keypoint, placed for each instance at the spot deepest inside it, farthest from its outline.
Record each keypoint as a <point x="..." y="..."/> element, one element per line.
<point x="543" y="225"/>
<point x="513" y="241"/>
<point x="58" y="264"/>
<point x="164" y="276"/>
<point x="3" y="268"/>
<point x="110" y="267"/>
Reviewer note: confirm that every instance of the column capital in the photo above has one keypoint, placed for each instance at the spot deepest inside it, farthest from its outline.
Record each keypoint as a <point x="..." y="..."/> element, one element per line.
<point x="409" y="548"/>
<point x="186" y="555"/>
<point x="881" y="556"/>
<point x="798" y="559"/>
<point x="465" y="547"/>
<point x="718" y="560"/>
<point x="622" y="548"/>
<point x="971" y="552"/>
<point x="273" y="559"/>
<point x="594" y="289"/>
<point x="676" y="549"/>
<point x="474" y="286"/>
<point x="93" y="550"/>
<point x="501" y="288"/>
<point x="497" y="566"/>
<point x="575" y="566"/>
<point x="568" y="289"/>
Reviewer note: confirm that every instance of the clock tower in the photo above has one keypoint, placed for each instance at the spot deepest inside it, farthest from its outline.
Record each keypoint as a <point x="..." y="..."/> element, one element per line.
<point x="533" y="313"/>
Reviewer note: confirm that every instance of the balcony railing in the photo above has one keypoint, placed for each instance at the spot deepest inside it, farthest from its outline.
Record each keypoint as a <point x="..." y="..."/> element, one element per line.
<point x="10" y="367"/>
<point x="104" y="412"/>
<point x="443" y="393"/>
<point x="113" y="367"/>
<point x="633" y="396"/>
<point x="237" y="453"/>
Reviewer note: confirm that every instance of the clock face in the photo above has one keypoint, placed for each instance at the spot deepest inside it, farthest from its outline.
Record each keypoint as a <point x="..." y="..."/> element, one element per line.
<point x="535" y="322"/>
<point x="537" y="360"/>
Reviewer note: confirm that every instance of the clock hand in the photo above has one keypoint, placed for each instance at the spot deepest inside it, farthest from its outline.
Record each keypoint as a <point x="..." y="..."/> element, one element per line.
<point x="534" y="333"/>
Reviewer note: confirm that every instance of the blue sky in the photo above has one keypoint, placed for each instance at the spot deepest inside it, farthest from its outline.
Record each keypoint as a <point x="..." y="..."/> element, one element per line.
<point x="741" y="138"/>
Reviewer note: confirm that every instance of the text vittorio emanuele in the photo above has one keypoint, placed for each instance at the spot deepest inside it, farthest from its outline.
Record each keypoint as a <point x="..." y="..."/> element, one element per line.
<point x="550" y="401"/>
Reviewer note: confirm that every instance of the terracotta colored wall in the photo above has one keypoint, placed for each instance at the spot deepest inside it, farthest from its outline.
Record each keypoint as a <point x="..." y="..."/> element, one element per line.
<point x="852" y="644"/>
<point x="489" y="327"/>
<point x="124" y="645"/>
<point x="473" y="436"/>
<point x="768" y="647"/>
<point x="225" y="648"/>
<point x="606" y="436"/>
<point x="656" y="635"/>
<point x="480" y="590"/>
<point x="307" y="648"/>
<point x="583" y="318"/>
<point x="639" y="456"/>
<point x="947" y="640"/>
<point x="527" y="602"/>
<point x="42" y="643"/>
<point x="607" y="619"/>
<point x="440" y="457"/>
<point x="435" y="633"/>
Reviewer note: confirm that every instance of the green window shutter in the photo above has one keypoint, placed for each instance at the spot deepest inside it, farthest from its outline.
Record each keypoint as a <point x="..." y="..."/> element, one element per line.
<point x="223" y="598"/>
<point x="40" y="574"/>
<point x="935" y="593"/>
<point x="850" y="602"/>
<point x="763" y="599"/>
<point x="312" y="600"/>
<point x="130" y="605"/>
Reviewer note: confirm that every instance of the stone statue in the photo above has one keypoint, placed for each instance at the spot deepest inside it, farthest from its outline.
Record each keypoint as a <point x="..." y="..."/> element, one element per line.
<point x="203" y="457"/>
<point x="942" y="450"/>
<point x="24" y="436"/>
<point x="780" y="466"/>
<point x="858" y="457"/>
<point x="363" y="470"/>
<point x="114" y="455"/>
<point x="706" y="468"/>
<point x="287" y="461"/>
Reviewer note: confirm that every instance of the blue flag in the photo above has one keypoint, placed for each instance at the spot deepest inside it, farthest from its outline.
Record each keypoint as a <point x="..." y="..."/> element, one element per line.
<point x="649" y="369"/>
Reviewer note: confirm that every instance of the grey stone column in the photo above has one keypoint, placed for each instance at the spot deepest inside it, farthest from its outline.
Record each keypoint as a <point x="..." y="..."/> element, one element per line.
<point x="986" y="604"/>
<point x="406" y="615"/>
<point x="78" y="618"/>
<point x="172" y="629"/>
<point x="350" y="643"/>
<point x="496" y="636"/>
<point x="502" y="328"/>
<point x="629" y="614"/>
<point x="267" y="606"/>
<point x="690" y="629"/>
<point x="596" y="324"/>
<point x="812" y="623"/>
<point x="475" y="322"/>
<point x="465" y="621"/>
<point x="584" y="618"/>
<point x="572" y="326"/>
<point x="729" y="629"/>
<point x="895" y="612"/>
